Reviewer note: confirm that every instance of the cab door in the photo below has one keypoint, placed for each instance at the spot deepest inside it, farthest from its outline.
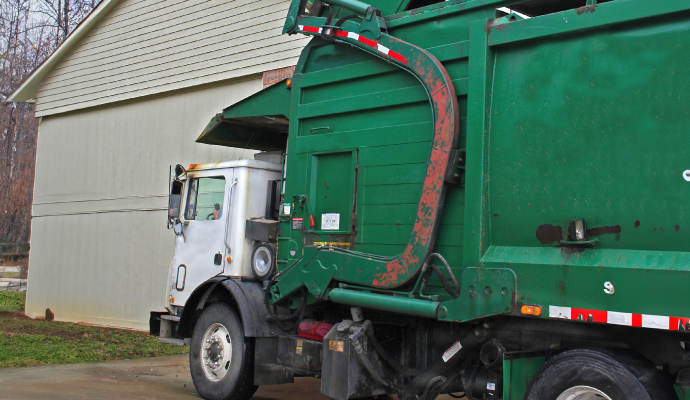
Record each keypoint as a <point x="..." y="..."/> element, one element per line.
<point x="200" y="251"/>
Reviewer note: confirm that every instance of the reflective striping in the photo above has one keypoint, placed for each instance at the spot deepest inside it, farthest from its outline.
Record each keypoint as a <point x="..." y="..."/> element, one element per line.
<point x="354" y="36"/>
<point x="620" y="318"/>
<point x="309" y="29"/>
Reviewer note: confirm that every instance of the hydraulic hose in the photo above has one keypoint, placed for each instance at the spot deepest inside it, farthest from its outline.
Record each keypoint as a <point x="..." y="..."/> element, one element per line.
<point x="444" y="280"/>
<point x="286" y="323"/>
<point x="366" y="363"/>
<point x="395" y="364"/>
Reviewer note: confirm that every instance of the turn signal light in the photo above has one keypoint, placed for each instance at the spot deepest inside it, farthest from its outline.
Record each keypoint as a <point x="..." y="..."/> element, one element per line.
<point x="531" y="310"/>
<point x="229" y="259"/>
<point x="288" y="83"/>
<point x="172" y="300"/>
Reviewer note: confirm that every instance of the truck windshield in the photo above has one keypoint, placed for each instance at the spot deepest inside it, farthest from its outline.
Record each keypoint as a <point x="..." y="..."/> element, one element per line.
<point x="205" y="200"/>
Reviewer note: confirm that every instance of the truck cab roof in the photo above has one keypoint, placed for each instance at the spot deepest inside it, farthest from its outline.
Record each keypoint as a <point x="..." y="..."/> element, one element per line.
<point x="235" y="164"/>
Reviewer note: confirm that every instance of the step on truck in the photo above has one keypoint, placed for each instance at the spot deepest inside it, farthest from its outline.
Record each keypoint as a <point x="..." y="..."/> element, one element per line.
<point x="482" y="198"/>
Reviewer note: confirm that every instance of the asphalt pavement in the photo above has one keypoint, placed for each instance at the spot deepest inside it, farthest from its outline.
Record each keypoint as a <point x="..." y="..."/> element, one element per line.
<point x="145" y="378"/>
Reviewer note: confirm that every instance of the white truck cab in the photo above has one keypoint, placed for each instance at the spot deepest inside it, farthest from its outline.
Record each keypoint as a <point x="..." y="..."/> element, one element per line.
<point x="212" y="206"/>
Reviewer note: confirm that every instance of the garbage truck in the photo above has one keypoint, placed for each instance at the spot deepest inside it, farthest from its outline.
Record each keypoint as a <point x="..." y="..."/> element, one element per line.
<point x="481" y="198"/>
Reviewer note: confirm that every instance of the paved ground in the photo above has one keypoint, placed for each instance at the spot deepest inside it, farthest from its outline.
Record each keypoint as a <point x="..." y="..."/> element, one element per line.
<point x="145" y="378"/>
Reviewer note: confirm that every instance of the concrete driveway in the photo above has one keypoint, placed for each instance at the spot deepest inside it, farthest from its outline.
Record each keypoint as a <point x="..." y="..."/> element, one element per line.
<point x="144" y="378"/>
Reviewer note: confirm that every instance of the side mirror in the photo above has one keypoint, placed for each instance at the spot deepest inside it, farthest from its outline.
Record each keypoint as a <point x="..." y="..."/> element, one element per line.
<point x="175" y="200"/>
<point x="180" y="173"/>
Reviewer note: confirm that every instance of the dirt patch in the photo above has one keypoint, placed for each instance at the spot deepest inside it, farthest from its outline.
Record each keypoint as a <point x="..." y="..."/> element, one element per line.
<point x="4" y="314"/>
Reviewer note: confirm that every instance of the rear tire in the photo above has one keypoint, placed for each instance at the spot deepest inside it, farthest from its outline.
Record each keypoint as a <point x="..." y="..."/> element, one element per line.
<point x="224" y="370"/>
<point x="586" y="374"/>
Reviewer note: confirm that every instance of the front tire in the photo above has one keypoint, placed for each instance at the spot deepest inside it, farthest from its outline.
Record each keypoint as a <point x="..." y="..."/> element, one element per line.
<point x="586" y="374"/>
<point x="221" y="359"/>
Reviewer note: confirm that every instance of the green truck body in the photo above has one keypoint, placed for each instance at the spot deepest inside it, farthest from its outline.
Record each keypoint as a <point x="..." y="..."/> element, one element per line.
<point x="563" y="194"/>
<point x="576" y="114"/>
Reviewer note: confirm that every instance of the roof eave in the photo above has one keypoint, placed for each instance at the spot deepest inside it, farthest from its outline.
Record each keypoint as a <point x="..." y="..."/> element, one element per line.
<point x="28" y="89"/>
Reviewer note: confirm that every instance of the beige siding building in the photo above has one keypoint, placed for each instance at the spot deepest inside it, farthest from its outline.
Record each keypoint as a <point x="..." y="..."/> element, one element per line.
<point x="120" y="101"/>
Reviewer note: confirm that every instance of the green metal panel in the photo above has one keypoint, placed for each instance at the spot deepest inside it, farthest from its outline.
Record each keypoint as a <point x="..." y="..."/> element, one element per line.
<point x="518" y="371"/>
<point x="258" y="122"/>
<point x="584" y="126"/>
<point x="331" y="190"/>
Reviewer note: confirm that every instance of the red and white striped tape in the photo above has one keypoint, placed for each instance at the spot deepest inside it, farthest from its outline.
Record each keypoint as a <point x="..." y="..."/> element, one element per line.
<point x="351" y="35"/>
<point x="619" y="318"/>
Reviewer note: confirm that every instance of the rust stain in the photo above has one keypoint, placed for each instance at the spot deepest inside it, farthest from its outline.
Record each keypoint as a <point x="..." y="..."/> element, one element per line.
<point x="637" y="223"/>
<point x="446" y="131"/>
<point x="548" y="233"/>
<point x="326" y="185"/>
<point x="677" y="227"/>
<point x="616" y="229"/>
<point x="587" y="9"/>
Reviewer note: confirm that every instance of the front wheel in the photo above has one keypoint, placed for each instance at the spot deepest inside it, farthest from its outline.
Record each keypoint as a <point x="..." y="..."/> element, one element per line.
<point x="603" y="374"/>
<point x="221" y="359"/>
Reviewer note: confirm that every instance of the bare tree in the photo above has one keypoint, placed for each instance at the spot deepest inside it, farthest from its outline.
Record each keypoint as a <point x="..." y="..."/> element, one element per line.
<point x="65" y="15"/>
<point x="30" y="30"/>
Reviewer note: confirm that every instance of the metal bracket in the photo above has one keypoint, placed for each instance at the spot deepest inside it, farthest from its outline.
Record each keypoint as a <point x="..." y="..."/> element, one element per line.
<point x="485" y="292"/>
<point x="316" y="278"/>
<point x="456" y="167"/>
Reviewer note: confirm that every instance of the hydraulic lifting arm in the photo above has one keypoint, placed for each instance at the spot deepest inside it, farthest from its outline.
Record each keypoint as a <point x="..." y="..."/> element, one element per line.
<point x="371" y="35"/>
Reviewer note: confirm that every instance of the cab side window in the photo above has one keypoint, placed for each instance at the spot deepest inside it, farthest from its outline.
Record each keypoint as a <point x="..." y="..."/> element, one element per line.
<point x="205" y="199"/>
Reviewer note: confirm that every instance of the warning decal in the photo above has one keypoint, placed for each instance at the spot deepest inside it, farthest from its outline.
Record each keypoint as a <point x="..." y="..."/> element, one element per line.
<point x="451" y="351"/>
<point x="336" y="345"/>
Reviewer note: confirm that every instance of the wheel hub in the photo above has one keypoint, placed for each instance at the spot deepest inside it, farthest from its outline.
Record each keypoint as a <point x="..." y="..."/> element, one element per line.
<point x="583" y="393"/>
<point x="216" y="352"/>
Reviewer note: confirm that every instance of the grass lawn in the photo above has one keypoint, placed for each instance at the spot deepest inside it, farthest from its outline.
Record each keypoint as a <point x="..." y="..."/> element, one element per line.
<point x="27" y="342"/>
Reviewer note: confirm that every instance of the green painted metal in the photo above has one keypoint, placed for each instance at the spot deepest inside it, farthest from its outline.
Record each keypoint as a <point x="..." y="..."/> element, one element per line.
<point x="518" y="370"/>
<point x="484" y="292"/>
<point x="580" y="113"/>
<point x="258" y="122"/>
<point x="682" y="394"/>
<point x="330" y="196"/>
<point x="560" y="140"/>
<point x="418" y="308"/>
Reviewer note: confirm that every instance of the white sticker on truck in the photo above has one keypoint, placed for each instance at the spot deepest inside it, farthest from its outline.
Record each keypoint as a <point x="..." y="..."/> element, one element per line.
<point x="330" y="221"/>
<point x="451" y="351"/>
